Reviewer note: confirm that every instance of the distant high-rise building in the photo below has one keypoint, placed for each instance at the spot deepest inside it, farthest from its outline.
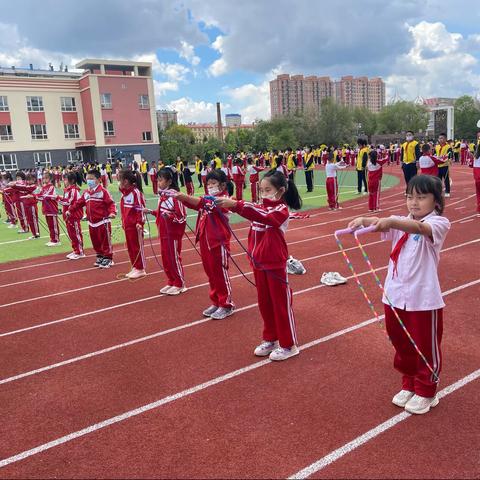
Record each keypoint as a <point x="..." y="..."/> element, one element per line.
<point x="166" y="118"/>
<point x="296" y="93"/>
<point x="233" y="119"/>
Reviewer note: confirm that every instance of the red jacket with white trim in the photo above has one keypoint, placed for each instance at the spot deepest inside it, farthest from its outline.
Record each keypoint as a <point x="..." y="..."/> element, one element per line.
<point x="22" y="189"/>
<point x="429" y="165"/>
<point x="266" y="239"/>
<point x="171" y="217"/>
<point x="254" y="172"/>
<point x="71" y="195"/>
<point x="99" y="205"/>
<point x="238" y="174"/>
<point x="132" y="204"/>
<point x="49" y="198"/>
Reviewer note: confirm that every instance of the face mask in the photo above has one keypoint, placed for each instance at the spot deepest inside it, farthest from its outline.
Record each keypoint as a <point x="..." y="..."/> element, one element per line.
<point x="91" y="184"/>
<point x="409" y="138"/>
<point x="213" y="190"/>
<point x="271" y="197"/>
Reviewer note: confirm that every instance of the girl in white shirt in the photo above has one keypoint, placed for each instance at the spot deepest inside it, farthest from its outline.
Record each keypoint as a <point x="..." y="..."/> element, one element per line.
<point x="413" y="289"/>
<point x="331" y="182"/>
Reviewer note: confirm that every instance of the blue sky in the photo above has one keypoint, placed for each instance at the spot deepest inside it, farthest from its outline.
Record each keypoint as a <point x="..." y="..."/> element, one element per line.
<point x="204" y="52"/>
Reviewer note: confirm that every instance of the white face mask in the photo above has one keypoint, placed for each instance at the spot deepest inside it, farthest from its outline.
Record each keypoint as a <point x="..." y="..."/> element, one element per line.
<point x="409" y="138"/>
<point x="213" y="190"/>
<point x="271" y="197"/>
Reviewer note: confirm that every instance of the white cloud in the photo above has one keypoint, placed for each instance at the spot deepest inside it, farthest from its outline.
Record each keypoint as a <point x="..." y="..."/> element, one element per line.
<point x="438" y="64"/>
<point x="251" y="101"/>
<point x="219" y="66"/>
<point x="192" y="111"/>
<point x="188" y="53"/>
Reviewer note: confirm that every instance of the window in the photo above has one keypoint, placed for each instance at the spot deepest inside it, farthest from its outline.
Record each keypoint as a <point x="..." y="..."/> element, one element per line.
<point x="143" y="101"/>
<point x="3" y="104"/>
<point x="68" y="104"/>
<point x="108" y="129"/>
<point x="109" y="154"/>
<point x="147" y="136"/>
<point x="8" y="162"/>
<point x="39" y="132"/>
<point x="106" y="100"/>
<point x="74" y="156"/>
<point x="35" y="104"/>
<point x="6" y="132"/>
<point x="71" y="130"/>
<point x="42" y="159"/>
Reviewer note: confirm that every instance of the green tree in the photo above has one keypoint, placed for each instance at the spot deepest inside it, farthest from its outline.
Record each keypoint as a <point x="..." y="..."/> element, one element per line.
<point x="402" y="116"/>
<point x="467" y="114"/>
<point x="335" y="123"/>
<point x="365" y="122"/>
<point x="176" y="140"/>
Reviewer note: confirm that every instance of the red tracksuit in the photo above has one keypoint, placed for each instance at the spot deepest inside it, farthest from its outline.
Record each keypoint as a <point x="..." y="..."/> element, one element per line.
<point x="153" y="177"/>
<point x="268" y="257"/>
<point x="429" y="165"/>
<point x="254" y="174"/>
<point x="213" y="234"/>
<point x="9" y="204"/>
<point x="375" y="173"/>
<point x="71" y="195"/>
<point x="99" y="205"/>
<point x="132" y="204"/>
<point x="238" y="174"/>
<point x="13" y="193"/>
<point x="171" y="219"/>
<point x="49" y="200"/>
<point x="475" y="164"/>
<point x="30" y="208"/>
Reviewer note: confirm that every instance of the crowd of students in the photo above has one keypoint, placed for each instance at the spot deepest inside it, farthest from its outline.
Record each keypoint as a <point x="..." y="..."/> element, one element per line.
<point x="223" y="183"/>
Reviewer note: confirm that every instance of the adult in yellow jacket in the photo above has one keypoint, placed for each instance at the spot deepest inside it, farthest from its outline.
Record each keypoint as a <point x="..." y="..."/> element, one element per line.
<point x="309" y="166"/>
<point x="410" y="155"/>
<point x="361" y="165"/>
<point x="444" y="151"/>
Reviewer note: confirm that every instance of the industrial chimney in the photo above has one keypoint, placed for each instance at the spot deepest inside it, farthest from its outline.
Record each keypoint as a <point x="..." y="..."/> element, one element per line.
<point x="219" y="123"/>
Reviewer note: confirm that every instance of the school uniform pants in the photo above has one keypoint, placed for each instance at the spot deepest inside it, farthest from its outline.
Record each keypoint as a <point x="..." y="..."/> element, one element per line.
<point x="10" y="209"/>
<point x="74" y="230"/>
<point x="254" y="190"/>
<point x="104" y="179"/>
<point x="409" y="171"/>
<point x="361" y="180"/>
<point x="275" y="305"/>
<point x="21" y="215"/>
<point x="199" y="177"/>
<point x="309" y="180"/>
<point x="154" y="180"/>
<point x="205" y="188"/>
<point x="32" y="219"/>
<point x="215" y="262"/>
<point x="426" y="329"/>
<point x="171" y="249"/>
<point x="101" y="237"/>
<point x="52" y="222"/>
<point x="239" y="190"/>
<point x="332" y="192"/>
<point x="476" y="176"/>
<point x="190" y="188"/>
<point x="444" y="176"/>
<point x="374" y="195"/>
<point x="135" y="247"/>
<point x="145" y="178"/>
<point x="463" y="156"/>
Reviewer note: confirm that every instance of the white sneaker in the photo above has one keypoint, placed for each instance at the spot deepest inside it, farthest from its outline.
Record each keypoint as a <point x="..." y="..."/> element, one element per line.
<point x="221" y="313"/>
<point x="53" y="244"/>
<point x="327" y="279"/>
<point x="12" y="225"/>
<point x="76" y="256"/>
<point x="70" y="255"/>
<point x="208" y="311"/>
<point x="265" y="349"/>
<point x="33" y="237"/>
<point x="23" y="231"/>
<point x="136" y="273"/>
<point x="338" y="278"/>
<point x="295" y="267"/>
<point x="419" y="405"/>
<point x="176" y="290"/>
<point x="402" y="397"/>
<point x="447" y="195"/>
<point x="281" y="353"/>
<point x="165" y="289"/>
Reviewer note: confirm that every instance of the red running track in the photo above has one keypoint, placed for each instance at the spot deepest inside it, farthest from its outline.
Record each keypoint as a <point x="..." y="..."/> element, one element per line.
<point x="267" y="421"/>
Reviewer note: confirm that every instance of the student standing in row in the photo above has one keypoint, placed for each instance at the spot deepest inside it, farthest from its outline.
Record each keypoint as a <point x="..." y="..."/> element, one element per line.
<point x="332" y="182"/>
<point x="410" y="153"/>
<point x="361" y="165"/>
<point x="309" y="166"/>
<point x="444" y="151"/>
<point x="48" y="197"/>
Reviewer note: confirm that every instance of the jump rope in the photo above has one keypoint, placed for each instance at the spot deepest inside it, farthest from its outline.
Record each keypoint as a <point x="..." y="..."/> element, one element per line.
<point x="356" y="234"/>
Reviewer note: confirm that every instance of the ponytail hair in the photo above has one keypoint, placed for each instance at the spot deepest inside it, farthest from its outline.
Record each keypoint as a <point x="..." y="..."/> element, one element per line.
<point x="133" y="177"/>
<point x="291" y="196"/>
<point x="169" y="175"/>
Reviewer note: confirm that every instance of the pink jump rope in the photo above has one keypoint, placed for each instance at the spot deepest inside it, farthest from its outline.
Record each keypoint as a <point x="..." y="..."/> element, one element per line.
<point x="356" y="234"/>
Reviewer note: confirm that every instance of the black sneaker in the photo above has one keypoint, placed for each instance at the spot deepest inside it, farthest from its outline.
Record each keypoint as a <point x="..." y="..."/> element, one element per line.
<point x="98" y="261"/>
<point x="106" y="263"/>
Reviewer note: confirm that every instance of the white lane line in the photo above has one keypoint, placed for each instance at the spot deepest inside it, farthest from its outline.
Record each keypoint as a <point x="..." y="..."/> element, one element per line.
<point x="96" y="285"/>
<point x="185" y="393"/>
<point x="145" y="299"/>
<point x="375" y="432"/>
<point x="460" y="208"/>
<point x="468" y="220"/>
<point x="124" y="249"/>
<point x="56" y="275"/>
